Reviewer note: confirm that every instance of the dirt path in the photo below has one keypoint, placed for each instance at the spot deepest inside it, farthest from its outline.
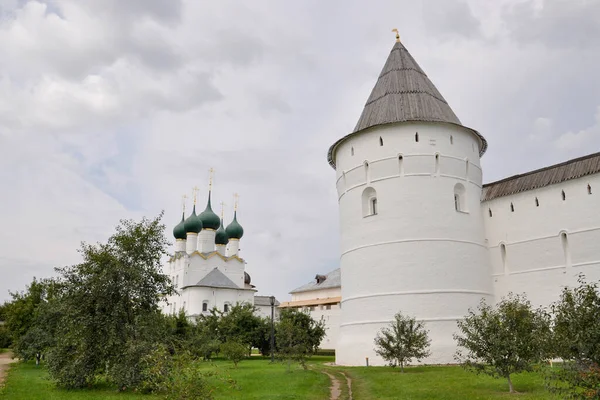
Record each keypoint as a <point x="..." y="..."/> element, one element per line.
<point x="5" y="359"/>
<point x="349" y="382"/>
<point x="335" y="389"/>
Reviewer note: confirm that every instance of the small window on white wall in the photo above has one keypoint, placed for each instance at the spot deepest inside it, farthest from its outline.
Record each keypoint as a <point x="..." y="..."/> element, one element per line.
<point x="437" y="164"/>
<point x="564" y="196"/>
<point x="352" y="151"/>
<point x="490" y="212"/>
<point x="400" y="165"/>
<point x="205" y="306"/>
<point x="417" y="137"/>
<point x="589" y="189"/>
<point x="380" y="141"/>
<point x="537" y="202"/>
<point x="460" y="201"/>
<point x="564" y="239"/>
<point x="225" y="307"/>
<point x="451" y="140"/>
<point x="512" y="207"/>
<point x="369" y="202"/>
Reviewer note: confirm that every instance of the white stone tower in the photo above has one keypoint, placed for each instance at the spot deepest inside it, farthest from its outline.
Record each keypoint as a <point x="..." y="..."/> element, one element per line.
<point x="412" y="233"/>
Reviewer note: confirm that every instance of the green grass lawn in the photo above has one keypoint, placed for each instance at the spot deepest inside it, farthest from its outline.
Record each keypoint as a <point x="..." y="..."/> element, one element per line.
<point x="433" y="382"/>
<point x="255" y="378"/>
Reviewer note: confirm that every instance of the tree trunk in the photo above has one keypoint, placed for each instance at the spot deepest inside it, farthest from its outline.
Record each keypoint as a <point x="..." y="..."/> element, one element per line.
<point x="402" y="366"/>
<point x="510" y="385"/>
<point x="37" y="358"/>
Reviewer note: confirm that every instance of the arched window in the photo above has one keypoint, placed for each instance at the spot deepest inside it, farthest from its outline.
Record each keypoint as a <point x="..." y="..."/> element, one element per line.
<point x="589" y="189"/>
<point x="417" y="137"/>
<point x="352" y="151"/>
<point x="369" y="202"/>
<point x="537" y="202"/>
<point x="512" y="207"/>
<point x="205" y="306"/>
<point x="490" y="212"/>
<point x="225" y="307"/>
<point x="564" y="239"/>
<point x="460" y="201"/>
<point x="564" y="196"/>
<point x="401" y="165"/>
<point x="451" y="140"/>
<point x="503" y="256"/>
<point x="437" y="164"/>
<point x="380" y="141"/>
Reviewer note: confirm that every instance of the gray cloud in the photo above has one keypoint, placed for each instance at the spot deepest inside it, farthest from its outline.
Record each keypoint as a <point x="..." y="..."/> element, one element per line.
<point x="114" y="109"/>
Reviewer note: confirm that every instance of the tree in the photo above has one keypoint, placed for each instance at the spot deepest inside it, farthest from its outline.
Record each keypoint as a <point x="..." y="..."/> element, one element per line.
<point x="505" y="339"/>
<point x="109" y="307"/>
<point x="576" y="328"/>
<point x="297" y="336"/>
<point x="240" y="324"/>
<point x="234" y="350"/>
<point x="404" y="340"/>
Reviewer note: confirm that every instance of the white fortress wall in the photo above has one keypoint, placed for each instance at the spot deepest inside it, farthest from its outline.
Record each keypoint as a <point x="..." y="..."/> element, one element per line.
<point x="540" y="249"/>
<point x="418" y="255"/>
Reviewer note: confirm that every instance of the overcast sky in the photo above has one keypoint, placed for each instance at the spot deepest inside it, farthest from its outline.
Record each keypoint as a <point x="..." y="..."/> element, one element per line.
<point x="114" y="109"/>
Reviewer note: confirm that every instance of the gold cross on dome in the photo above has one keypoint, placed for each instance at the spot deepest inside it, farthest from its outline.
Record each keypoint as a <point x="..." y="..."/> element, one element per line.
<point x="183" y="200"/>
<point x="195" y="191"/>
<point x="397" y="34"/>
<point x="211" y="173"/>
<point x="236" y="199"/>
<point x="222" y="209"/>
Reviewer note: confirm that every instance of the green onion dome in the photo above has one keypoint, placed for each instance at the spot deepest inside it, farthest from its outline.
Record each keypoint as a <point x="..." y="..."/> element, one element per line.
<point x="179" y="230"/>
<point x="221" y="236"/>
<point x="193" y="224"/>
<point x="209" y="219"/>
<point x="234" y="229"/>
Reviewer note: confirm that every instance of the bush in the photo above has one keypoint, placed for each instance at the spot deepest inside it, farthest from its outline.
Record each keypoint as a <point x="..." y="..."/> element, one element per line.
<point x="234" y="350"/>
<point x="5" y="340"/>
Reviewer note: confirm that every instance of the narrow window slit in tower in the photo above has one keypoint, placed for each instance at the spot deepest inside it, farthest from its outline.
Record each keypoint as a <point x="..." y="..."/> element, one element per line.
<point x="537" y="202"/>
<point x="503" y="255"/>
<point x="352" y="151"/>
<point x="380" y="141"/>
<point x="564" y="196"/>
<point x="417" y="137"/>
<point x="490" y="212"/>
<point x="401" y="165"/>
<point x="451" y="140"/>
<point x="589" y="189"/>
<point x="565" y="245"/>
<point x="437" y="164"/>
<point x="512" y="207"/>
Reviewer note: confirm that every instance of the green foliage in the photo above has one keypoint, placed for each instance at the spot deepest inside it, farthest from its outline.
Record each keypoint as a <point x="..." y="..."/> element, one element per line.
<point x="576" y="328"/>
<point x="176" y="378"/>
<point x="404" y="340"/>
<point x="5" y="338"/>
<point x="109" y="307"/>
<point x="297" y="336"/>
<point x="504" y="339"/>
<point x="241" y="324"/>
<point x="234" y="350"/>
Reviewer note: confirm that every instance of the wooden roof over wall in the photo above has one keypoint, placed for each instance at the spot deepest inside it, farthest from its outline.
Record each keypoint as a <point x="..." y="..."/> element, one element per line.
<point x="539" y="178"/>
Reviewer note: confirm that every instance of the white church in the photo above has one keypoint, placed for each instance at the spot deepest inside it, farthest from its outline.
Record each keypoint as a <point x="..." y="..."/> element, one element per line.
<point x="206" y="268"/>
<point x="421" y="234"/>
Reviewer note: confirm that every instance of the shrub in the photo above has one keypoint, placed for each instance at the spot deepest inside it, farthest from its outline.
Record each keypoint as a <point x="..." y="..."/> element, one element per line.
<point x="234" y="350"/>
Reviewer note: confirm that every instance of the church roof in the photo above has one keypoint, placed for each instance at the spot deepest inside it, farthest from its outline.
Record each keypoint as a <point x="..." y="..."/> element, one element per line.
<point x="217" y="279"/>
<point x="264" y="301"/>
<point x="571" y="169"/>
<point x="403" y="93"/>
<point x="331" y="280"/>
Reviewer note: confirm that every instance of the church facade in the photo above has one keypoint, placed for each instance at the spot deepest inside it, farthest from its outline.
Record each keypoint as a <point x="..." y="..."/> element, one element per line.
<point x="422" y="234"/>
<point x="206" y="268"/>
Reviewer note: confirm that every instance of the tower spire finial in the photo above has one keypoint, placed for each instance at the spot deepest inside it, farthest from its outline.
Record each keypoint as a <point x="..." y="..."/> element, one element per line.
<point x="236" y="199"/>
<point x="195" y="192"/>
<point x="183" y="200"/>
<point x="211" y="173"/>
<point x="397" y="34"/>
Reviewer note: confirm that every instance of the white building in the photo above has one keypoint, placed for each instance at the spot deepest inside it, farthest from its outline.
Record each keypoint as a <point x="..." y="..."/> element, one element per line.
<point x="206" y="267"/>
<point x="421" y="234"/>
<point x="321" y="298"/>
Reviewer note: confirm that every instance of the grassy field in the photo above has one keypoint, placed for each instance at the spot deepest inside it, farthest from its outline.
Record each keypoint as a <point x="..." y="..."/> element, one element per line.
<point x="432" y="382"/>
<point x="256" y="378"/>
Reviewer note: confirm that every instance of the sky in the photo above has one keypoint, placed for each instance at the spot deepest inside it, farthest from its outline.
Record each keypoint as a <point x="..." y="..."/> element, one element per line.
<point x="115" y="109"/>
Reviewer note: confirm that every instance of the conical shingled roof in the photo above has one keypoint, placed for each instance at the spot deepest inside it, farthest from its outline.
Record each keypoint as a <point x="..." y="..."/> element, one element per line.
<point x="403" y="93"/>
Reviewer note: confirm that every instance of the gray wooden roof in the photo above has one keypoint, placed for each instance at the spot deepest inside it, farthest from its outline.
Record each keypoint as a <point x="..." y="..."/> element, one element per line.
<point x="403" y="93"/>
<point x="217" y="279"/>
<point x="539" y="178"/>
<point x="332" y="280"/>
<point x="264" y="301"/>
